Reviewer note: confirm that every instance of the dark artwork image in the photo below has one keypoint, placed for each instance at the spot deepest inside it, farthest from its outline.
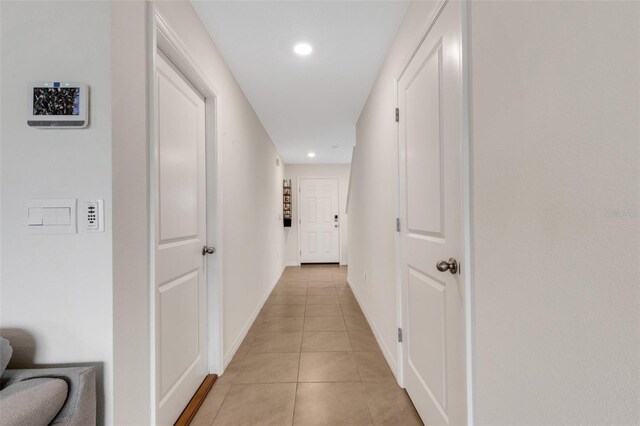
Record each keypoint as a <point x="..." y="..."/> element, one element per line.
<point x="56" y="101"/>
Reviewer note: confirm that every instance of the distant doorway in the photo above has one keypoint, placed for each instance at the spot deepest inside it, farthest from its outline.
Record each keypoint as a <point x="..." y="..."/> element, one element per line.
<point x="318" y="210"/>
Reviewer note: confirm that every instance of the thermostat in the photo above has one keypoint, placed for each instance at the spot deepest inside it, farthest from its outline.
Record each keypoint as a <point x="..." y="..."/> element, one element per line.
<point x="58" y="104"/>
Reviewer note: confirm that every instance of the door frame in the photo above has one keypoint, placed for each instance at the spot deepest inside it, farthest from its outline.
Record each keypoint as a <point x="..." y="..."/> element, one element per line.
<point x="465" y="180"/>
<point x="164" y="38"/>
<point x="300" y="178"/>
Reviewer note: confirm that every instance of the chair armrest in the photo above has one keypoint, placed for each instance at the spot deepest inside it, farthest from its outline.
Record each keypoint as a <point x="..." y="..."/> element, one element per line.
<point x="80" y="406"/>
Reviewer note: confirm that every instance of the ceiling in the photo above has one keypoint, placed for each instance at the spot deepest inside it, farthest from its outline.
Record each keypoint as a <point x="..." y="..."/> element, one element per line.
<point x="307" y="104"/>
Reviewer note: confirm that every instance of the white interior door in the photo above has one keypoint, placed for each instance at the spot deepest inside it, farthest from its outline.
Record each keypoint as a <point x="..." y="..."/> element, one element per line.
<point x="180" y="292"/>
<point x="430" y="142"/>
<point x="319" y="220"/>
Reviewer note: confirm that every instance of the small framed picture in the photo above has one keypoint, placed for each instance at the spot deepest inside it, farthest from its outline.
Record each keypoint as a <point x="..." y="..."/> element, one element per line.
<point x="287" y="207"/>
<point x="287" y="191"/>
<point x="287" y="198"/>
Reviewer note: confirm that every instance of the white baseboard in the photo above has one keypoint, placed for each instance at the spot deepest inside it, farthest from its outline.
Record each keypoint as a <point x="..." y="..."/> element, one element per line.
<point x="383" y="346"/>
<point x="236" y="344"/>
<point x="292" y="263"/>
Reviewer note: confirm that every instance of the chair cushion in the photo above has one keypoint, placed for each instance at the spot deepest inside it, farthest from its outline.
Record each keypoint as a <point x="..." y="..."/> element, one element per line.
<point x="32" y="402"/>
<point x="5" y="354"/>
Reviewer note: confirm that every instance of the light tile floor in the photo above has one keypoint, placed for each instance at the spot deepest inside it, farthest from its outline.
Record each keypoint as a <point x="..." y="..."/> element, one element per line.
<point x="310" y="358"/>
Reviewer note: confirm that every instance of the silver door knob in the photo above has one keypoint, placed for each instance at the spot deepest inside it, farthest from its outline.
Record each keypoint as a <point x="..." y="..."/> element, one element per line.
<point x="208" y="250"/>
<point x="450" y="265"/>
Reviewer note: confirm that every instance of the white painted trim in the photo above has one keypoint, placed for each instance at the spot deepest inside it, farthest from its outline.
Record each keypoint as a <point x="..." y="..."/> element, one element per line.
<point x="349" y="189"/>
<point x="339" y="214"/>
<point x="383" y="346"/>
<point x="247" y="326"/>
<point x="164" y="38"/>
<point x="466" y="182"/>
<point x="292" y="264"/>
<point x="467" y="210"/>
<point x="399" y="310"/>
<point x="431" y="19"/>
<point x="153" y="158"/>
<point x="298" y="251"/>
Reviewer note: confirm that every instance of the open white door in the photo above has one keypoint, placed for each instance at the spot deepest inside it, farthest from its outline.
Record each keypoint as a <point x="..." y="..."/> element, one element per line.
<point x="319" y="221"/>
<point x="433" y="301"/>
<point x="180" y="215"/>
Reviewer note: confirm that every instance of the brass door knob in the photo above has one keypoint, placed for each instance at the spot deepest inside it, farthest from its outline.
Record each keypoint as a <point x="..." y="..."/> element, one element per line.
<point x="450" y="265"/>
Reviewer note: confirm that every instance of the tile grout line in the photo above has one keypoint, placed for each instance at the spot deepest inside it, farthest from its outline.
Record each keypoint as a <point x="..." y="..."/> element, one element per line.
<point x="295" y="392"/>
<point x="366" y="398"/>
<point x="224" y="398"/>
<point x="295" y="396"/>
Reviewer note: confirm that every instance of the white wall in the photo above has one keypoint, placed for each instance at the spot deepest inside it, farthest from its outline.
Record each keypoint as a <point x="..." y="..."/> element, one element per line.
<point x="555" y="130"/>
<point x="555" y="113"/>
<point x="373" y="198"/>
<point x="130" y="154"/>
<point x="56" y="301"/>
<point x="296" y="171"/>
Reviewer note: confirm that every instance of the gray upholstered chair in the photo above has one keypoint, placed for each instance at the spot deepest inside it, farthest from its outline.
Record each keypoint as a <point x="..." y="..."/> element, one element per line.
<point x="57" y="396"/>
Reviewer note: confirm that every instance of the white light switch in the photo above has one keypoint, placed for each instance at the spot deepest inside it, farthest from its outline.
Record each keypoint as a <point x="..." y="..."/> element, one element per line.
<point x="49" y="216"/>
<point x="63" y="216"/>
<point x="52" y="216"/>
<point x="35" y="216"/>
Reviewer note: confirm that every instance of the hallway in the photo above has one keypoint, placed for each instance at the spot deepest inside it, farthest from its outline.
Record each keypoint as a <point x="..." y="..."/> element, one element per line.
<point x="309" y="358"/>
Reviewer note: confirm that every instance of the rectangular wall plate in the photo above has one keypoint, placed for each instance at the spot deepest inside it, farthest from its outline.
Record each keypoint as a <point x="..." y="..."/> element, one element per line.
<point x="94" y="216"/>
<point x="51" y="216"/>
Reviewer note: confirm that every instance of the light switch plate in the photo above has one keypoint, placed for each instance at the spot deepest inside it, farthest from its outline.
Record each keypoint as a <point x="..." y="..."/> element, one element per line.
<point x="51" y="216"/>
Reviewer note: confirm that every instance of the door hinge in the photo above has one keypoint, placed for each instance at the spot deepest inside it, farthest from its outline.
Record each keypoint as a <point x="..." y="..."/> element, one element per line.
<point x="399" y="334"/>
<point x="397" y="115"/>
<point x="397" y="224"/>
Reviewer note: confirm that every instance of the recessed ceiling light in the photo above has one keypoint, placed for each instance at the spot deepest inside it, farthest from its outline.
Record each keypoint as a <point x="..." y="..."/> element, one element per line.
<point x="311" y="154"/>
<point x="302" y="49"/>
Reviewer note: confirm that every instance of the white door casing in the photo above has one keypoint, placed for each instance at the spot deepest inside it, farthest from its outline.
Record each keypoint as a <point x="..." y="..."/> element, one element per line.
<point x="181" y="348"/>
<point x="430" y="138"/>
<point x="319" y="220"/>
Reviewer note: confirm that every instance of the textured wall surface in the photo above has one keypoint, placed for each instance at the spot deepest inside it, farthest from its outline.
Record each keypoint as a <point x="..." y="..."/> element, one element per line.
<point x="555" y="131"/>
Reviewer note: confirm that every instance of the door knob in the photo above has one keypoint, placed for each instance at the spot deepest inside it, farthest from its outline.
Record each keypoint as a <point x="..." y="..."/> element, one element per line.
<point x="208" y="250"/>
<point x="450" y="265"/>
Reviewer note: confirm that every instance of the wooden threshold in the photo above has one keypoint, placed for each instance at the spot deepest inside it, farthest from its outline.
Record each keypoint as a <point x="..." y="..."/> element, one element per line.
<point x="198" y="398"/>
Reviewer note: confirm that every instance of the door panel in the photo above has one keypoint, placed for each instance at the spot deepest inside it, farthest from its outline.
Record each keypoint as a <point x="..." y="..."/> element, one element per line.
<point x="430" y="141"/>
<point x="319" y="231"/>
<point x="181" y="345"/>
<point x="426" y="355"/>
<point x="178" y="328"/>
<point x="423" y="144"/>
<point x="313" y="244"/>
<point x="312" y="211"/>
<point x="178" y="160"/>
